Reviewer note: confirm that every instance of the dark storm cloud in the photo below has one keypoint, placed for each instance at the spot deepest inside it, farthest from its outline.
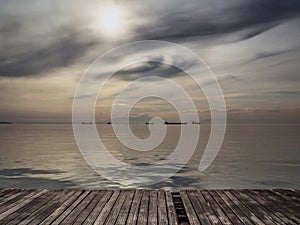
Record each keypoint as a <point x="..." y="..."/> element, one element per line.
<point x="141" y="68"/>
<point x="156" y="66"/>
<point x="61" y="53"/>
<point x="149" y="68"/>
<point x="250" y="19"/>
<point x="38" y="36"/>
<point x="24" y="57"/>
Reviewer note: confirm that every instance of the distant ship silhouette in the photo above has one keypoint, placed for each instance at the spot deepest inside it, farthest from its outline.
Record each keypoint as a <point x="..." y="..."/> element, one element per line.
<point x="174" y="123"/>
<point x="87" y="123"/>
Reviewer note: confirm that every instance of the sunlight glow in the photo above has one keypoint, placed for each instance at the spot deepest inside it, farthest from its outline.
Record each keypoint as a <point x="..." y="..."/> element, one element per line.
<point x="111" y="19"/>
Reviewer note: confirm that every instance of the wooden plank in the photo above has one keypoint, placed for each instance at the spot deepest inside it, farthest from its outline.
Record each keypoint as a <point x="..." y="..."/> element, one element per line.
<point x="225" y="207"/>
<point x="293" y="201"/>
<point x="112" y="217"/>
<point x="192" y="216"/>
<point x="18" y="216"/>
<point x="19" y="204"/>
<point x="237" y="211"/>
<point x="202" y="215"/>
<point x="251" y="215"/>
<point x="4" y="191"/>
<point x="217" y="209"/>
<point x="162" y="208"/>
<point x="123" y="215"/>
<point x="39" y="215"/>
<point x="134" y="209"/>
<point x="62" y="208"/>
<point x="274" y="204"/>
<point x="7" y="193"/>
<point x="272" y="212"/>
<point x="12" y="199"/>
<point x="62" y="216"/>
<point x="293" y="195"/>
<point x="255" y="207"/>
<point x="78" y="210"/>
<point x="296" y="192"/>
<point x="173" y="220"/>
<point x="208" y="211"/>
<point x="107" y="208"/>
<point x="98" y="208"/>
<point x="153" y="214"/>
<point x="144" y="207"/>
<point x="283" y="198"/>
<point x="87" y="210"/>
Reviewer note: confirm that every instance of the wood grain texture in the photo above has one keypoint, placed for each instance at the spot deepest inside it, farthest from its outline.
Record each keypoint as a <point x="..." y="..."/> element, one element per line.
<point x="152" y="207"/>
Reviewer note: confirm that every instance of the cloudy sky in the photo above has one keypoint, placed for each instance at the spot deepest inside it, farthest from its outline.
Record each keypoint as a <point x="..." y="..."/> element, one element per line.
<point x="252" y="46"/>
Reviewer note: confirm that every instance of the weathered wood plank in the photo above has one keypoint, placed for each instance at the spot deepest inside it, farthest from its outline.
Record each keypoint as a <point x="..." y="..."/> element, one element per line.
<point x="98" y="208"/>
<point x="278" y="217"/>
<point x="3" y="191"/>
<point x="295" y="192"/>
<point x="21" y="214"/>
<point x="227" y="209"/>
<point x="237" y="211"/>
<point x="112" y="217"/>
<point x="172" y="216"/>
<point x="38" y="216"/>
<point x="202" y="215"/>
<point x="88" y="209"/>
<point x="192" y="216"/>
<point x="73" y="206"/>
<point x="143" y="213"/>
<point x="254" y="207"/>
<point x="210" y="214"/>
<point x="153" y="213"/>
<point x="79" y="209"/>
<point x="19" y="204"/>
<point x="135" y="207"/>
<point x="107" y="208"/>
<point x="6" y="194"/>
<point x="162" y="208"/>
<point x="216" y="208"/>
<point x="293" y="201"/>
<point x="62" y="208"/>
<point x="281" y="207"/>
<point x="11" y="200"/>
<point x="123" y="215"/>
<point x="251" y="215"/>
<point x="291" y="194"/>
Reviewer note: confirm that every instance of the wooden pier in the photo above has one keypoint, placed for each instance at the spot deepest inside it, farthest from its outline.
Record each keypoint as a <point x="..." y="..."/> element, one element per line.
<point x="149" y="207"/>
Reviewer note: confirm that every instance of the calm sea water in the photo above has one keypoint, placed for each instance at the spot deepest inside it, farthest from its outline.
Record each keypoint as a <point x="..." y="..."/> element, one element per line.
<point x="252" y="156"/>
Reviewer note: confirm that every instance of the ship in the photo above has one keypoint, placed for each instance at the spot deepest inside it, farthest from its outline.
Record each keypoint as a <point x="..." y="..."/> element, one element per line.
<point x="174" y="123"/>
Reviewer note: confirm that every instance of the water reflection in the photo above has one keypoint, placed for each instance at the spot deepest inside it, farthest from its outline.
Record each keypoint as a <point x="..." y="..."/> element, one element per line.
<point x="46" y="156"/>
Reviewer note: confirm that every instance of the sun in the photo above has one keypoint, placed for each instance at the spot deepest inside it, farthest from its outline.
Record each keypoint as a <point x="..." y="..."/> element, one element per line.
<point x="111" y="19"/>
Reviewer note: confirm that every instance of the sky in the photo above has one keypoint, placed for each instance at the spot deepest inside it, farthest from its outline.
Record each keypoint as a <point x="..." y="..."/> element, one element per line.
<point x="252" y="46"/>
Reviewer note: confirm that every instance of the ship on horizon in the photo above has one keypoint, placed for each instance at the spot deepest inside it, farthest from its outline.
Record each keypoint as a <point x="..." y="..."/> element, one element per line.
<point x="175" y="123"/>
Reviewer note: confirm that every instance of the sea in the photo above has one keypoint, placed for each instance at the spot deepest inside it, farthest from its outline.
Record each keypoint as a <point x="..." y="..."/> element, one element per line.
<point x="251" y="156"/>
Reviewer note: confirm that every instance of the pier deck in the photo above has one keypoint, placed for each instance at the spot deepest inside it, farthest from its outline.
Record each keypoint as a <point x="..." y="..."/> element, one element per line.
<point x="149" y="207"/>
